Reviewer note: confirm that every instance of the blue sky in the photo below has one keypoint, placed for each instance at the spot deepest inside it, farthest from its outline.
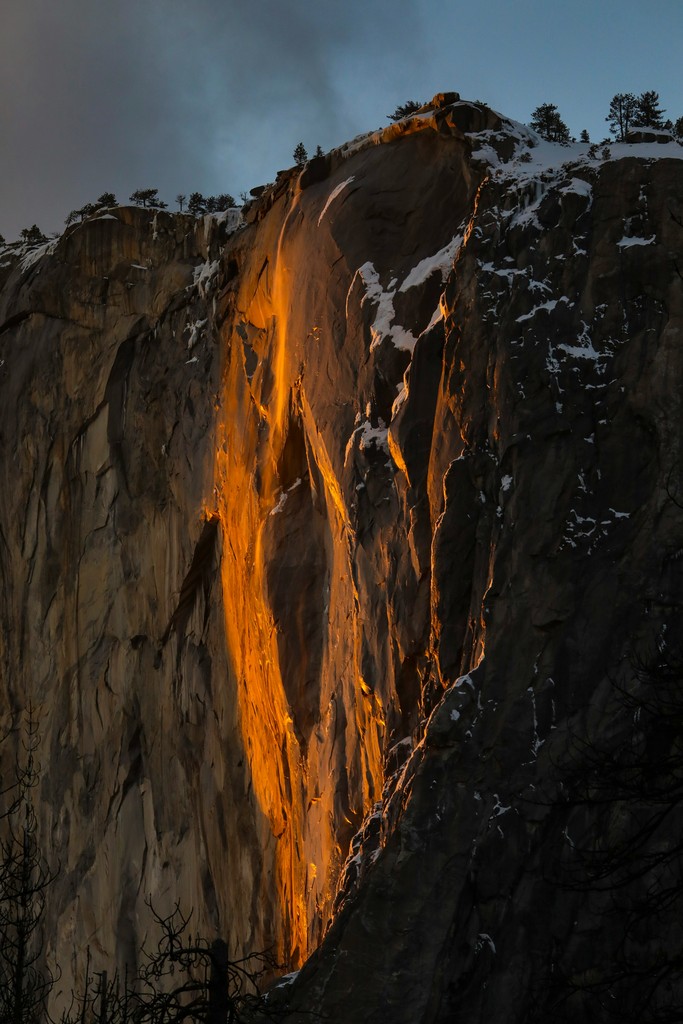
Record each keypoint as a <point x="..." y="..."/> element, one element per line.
<point x="213" y="95"/>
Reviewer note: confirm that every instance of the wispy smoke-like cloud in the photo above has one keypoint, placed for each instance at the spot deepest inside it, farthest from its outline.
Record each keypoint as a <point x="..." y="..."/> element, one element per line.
<point x="181" y="95"/>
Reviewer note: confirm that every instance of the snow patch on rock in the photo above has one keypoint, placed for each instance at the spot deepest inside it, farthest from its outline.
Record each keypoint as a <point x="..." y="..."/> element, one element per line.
<point x="383" y="327"/>
<point x="33" y="255"/>
<point x="333" y="195"/>
<point x="204" y="277"/>
<point x="441" y="262"/>
<point x="626" y="243"/>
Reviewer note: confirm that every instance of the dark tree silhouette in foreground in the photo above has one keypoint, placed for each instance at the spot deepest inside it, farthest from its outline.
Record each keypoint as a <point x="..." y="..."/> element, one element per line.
<point x="25" y="878"/>
<point x="189" y="978"/>
<point x="184" y="979"/>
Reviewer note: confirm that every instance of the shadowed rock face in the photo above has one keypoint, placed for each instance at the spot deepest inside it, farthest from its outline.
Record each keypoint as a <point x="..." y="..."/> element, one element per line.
<point x="338" y="523"/>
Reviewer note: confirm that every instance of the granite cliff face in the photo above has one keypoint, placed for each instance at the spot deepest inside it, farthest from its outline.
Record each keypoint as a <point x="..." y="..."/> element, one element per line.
<point x="327" y="528"/>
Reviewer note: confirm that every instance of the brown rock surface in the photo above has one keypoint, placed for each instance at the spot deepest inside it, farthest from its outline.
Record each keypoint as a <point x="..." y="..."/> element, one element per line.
<point x="401" y="448"/>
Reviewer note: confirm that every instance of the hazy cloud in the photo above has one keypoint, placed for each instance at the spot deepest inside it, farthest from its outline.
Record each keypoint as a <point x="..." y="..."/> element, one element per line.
<point x="181" y="95"/>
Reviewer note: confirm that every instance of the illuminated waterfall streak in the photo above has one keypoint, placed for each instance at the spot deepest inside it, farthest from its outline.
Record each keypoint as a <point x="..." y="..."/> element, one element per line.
<point x="265" y="722"/>
<point x="278" y="401"/>
<point x="247" y="485"/>
<point x="312" y="769"/>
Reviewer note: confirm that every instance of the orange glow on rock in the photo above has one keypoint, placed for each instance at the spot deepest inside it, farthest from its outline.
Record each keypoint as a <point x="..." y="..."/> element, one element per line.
<point x="313" y="739"/>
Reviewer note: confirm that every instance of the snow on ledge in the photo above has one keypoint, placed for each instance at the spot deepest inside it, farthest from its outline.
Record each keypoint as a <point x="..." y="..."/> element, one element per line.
<point x="333" y="195"/>
<point x="627" y="243"/>
<point x="441" y="262"/>
<point x="33" y="255"/>
<point x="368" y="437"/>
<point x="204" y="277"/>
<point x="383" y="326"/>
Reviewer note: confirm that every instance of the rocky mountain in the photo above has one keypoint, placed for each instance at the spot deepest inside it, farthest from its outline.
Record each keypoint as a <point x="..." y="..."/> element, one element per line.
<point x="340" y="551"/>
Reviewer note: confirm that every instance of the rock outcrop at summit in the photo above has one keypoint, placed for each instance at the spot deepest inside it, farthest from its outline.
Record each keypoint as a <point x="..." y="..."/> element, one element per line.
<point x="330" y="527"/>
